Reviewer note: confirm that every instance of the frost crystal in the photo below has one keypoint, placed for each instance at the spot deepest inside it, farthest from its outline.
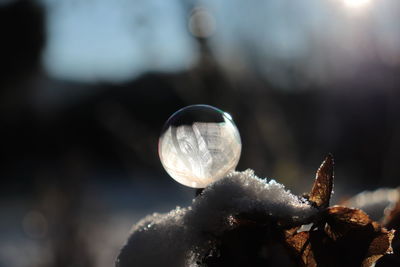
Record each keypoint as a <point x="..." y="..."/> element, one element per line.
<point x="176" y="238"/>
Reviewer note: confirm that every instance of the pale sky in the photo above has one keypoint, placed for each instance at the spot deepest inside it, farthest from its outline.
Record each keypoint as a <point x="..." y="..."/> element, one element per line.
<point x="118" y="40"/>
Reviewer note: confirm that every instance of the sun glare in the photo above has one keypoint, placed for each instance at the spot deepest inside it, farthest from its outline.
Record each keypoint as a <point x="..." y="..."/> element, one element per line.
<point x="356" y="3"/>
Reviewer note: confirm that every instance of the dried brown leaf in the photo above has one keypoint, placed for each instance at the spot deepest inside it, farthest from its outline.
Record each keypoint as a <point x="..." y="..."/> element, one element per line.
<point x="350" y="238"/>
<point x="323" y="185"/>
<point x="380" y="246"/>
<point x="348" y="216"/>
<point x="353" y="230"/>
<point x="341" y="236"/>
<point x="300" y="244"/>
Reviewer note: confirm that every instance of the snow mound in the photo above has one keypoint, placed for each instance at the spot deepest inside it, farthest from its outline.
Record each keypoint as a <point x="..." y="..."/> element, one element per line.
<point x="375" y="203"/>
<point x="175" y="238"/>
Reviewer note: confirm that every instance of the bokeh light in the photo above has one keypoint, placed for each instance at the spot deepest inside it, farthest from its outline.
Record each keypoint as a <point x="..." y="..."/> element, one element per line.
<point x="35" y="224"/>
<point x="202" y="23"/>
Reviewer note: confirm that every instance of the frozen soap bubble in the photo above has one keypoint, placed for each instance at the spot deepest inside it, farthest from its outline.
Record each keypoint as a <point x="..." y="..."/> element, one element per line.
<point x="199" y="144"/>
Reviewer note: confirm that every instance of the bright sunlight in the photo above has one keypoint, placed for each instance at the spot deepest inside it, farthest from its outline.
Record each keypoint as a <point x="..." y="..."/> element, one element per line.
<point x="356" y="3"/>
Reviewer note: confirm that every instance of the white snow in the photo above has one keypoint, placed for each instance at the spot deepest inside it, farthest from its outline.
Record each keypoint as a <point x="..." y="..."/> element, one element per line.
<point x="175" y="238"/>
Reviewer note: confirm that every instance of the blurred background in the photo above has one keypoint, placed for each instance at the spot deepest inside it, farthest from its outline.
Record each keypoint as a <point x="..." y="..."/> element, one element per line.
<point x="85" y="87"/>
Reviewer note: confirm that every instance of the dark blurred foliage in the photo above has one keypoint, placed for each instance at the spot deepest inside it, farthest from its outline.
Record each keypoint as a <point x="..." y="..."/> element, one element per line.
<point x="51" y="156"/>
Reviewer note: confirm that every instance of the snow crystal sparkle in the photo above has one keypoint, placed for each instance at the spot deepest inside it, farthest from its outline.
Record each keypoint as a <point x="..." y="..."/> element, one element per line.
<point x="183" y="236"/>
<point x="199" y="144"/>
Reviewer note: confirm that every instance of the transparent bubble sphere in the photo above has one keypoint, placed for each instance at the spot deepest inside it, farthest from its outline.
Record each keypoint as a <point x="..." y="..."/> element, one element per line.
<point x="199" y="144"/>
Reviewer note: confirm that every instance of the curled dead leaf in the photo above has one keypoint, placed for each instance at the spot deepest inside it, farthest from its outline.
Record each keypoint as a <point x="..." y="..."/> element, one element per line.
<point x="341" y="219"/>
<point x="348" y="238"/>
<point x="301" y="248"/>
<point x="341" y="236"/>
<point x="323" y="185"/>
